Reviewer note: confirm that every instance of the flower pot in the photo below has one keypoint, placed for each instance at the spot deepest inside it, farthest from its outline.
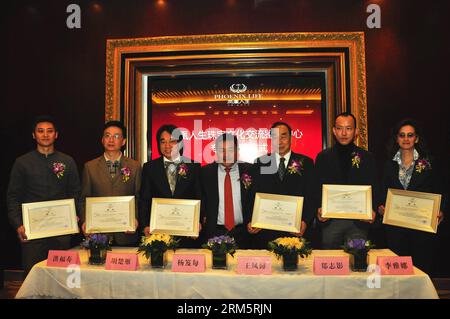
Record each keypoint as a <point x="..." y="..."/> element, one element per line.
<point x="290" y="261"/>
<point x="97" y="256"/>
<point x="157" y="259"/>
<point x="219" y="261"/>
<point x="360" y="261"/>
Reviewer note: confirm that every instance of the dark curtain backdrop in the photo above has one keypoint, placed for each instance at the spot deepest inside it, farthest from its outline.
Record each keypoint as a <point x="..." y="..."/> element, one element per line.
<point x="48" y="68"/>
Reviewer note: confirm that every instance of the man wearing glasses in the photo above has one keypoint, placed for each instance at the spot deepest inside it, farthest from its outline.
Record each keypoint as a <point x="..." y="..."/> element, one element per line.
<point x="112" y="174"/>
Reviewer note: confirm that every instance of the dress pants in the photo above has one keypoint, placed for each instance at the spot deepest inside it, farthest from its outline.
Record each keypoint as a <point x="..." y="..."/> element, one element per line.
<point x="336" y="232"/>
<point x="36" y="250"/>
<point x="421" y="246"/>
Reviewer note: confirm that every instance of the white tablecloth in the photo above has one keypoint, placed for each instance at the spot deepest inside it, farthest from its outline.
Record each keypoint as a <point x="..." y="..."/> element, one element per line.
<point x="96" y="282"/>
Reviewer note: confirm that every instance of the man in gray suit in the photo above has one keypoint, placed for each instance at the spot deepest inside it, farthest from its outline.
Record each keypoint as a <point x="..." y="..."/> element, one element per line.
<point x="112" y="174"/>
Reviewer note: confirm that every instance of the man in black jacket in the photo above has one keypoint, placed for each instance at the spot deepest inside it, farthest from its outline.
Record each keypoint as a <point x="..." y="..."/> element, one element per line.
<point x="43" y="174"/>
<point x="344" y="164"/>
<point x="169" y="176"/>
<point x="284" y="173"/>
<point x="226" y="185"/>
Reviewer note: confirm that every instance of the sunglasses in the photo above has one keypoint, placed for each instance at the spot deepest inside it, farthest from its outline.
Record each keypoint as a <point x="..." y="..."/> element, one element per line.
<point x="403" y="135"/>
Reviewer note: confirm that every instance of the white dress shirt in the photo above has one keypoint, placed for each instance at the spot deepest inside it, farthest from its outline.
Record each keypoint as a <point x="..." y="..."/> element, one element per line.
<point x="287" y="156"/>
<point x="236" y="190"/>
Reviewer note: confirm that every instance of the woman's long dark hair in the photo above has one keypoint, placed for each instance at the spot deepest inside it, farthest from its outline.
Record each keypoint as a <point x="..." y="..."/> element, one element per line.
<point x="421" y="145"/>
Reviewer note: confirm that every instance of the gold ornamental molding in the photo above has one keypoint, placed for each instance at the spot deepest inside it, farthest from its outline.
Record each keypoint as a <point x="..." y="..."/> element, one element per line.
<point x="124" y="56"/>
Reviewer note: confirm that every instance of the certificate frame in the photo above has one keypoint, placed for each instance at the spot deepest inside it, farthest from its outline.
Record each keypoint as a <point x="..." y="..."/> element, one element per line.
<point x="328" y="213"/>
<point x="27" y="209"/>
<point x="131" y="226"/>
<point x="155" y="219"/>
<point x="257" y="212"/>
<point x="430" y="227"/>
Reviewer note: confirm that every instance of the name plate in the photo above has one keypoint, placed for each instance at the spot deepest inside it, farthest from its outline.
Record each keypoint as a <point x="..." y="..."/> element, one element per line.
<point x="325" y="266"/>
<point x="254" y="265"/>
<point x="396" y="265"/>
<point x="116" y="261"/>
<point x="62" y="258"/>
<point x="188" y="263"/>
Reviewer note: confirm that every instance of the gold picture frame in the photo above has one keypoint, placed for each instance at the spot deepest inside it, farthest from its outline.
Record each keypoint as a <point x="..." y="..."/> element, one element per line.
<point x="131" y="63"/>
<point x="413" y="210"/>
<point x="277" y="212"/>
<point x="111" y="214"/>
<point x="347" y="201"/>
<point x="177" y="217"/>
<point x="49" y="218"/>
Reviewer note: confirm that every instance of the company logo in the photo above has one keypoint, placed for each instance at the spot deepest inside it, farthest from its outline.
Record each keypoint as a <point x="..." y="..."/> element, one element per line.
<point x="238" y="88"/>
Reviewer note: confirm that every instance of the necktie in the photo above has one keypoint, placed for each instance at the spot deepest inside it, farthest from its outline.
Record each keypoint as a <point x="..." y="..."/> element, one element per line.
<point x="171" y="173"/>
<point x="113" y="166"/>
<point x="281" y="168"/>
<point x="229" y="209"/>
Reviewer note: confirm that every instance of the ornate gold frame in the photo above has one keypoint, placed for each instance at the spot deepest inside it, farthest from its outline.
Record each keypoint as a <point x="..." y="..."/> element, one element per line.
<point x="343" y="51"/>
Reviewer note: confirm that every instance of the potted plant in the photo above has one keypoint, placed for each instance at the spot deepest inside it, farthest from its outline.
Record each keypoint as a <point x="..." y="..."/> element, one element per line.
<point x="153" y="247"/>
<point x="97" y="245"/>
<point x="220" y="246"/>
<point x="358" y="248"/>
<point x="289" y="248"/>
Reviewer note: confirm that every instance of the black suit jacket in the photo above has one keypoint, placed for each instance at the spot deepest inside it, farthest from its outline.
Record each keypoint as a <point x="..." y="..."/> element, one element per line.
<point x="428" y="181"/>
<point x="292" y="184"/>
<point x="210" y="195"/>
<point x="328" y="171"/>
<point x="155" y="185"/>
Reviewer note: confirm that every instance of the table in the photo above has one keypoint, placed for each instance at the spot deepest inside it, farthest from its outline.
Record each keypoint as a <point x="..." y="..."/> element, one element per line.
<point x="96" y="282"/>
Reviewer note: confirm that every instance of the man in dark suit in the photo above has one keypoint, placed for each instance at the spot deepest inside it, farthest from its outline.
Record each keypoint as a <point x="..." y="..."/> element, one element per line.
<point x="169" y="176"/>
<point x="112" y="174"/>
<point x="226" y="184"/>
<point x="34" y="178"/>
<point x="344" y="164"/>
<point x="284" y="173"/>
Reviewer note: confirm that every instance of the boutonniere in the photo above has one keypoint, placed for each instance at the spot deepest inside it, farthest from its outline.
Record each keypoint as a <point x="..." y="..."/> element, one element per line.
<point x="182" y="170"/>
<point x="296" y="167"/>
<point x="246" y="180"/>
<point x="356" y="159"/>
<point x="59" y="169"/>
<point x="422" y="165"/>
<point x="126" y="173"/>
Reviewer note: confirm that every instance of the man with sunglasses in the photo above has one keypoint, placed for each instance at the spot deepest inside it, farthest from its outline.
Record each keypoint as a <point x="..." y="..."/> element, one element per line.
<point x="112" y="174"/>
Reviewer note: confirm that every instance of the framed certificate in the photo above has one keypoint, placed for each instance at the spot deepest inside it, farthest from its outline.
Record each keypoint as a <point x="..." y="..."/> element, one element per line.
<point x="110" y="214"/>
<point x="178" y="217"/>
<point x="414" y="210"/>
<point x="50" y="218"/>
<point x="277" y="212"/>
<point x="347" y="201"/>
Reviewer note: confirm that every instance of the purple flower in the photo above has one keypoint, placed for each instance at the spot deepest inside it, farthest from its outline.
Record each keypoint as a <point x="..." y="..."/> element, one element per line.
<point x="183" y="170"/>
<point x="246" y="180"/>
<point x="126" y="173"/>
<point x="357" y="243"/>
<point x="59" y="169"/>
<point x="296" y="167"/>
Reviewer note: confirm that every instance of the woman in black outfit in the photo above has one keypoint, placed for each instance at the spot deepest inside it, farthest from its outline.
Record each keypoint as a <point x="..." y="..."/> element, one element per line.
<point x="411" y="168"/>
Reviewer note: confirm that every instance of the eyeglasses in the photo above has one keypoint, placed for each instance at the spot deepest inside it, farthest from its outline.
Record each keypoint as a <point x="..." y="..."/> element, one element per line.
<point x="114" y="136"/>
<point x="403" y="135"/>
